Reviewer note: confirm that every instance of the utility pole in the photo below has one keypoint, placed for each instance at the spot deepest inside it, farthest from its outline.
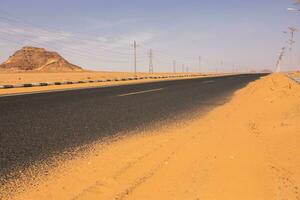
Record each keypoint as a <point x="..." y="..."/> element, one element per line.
<point x="174" y="66"/>
<point x="151" y="61"/>
<point x="222" y="64"/>
<point x="278" y="63"/>
<point x="291" y="39"/>
<point x="199" y="64"/>
<point x="278" y="67"/>
<point x="134" y="45"/>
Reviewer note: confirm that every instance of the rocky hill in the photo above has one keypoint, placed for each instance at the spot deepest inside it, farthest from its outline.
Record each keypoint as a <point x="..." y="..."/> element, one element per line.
<point x="37" y="59"/>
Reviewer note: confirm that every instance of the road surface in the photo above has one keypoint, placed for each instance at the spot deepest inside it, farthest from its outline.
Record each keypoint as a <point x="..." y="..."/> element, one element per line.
<point x="36" y="126"/>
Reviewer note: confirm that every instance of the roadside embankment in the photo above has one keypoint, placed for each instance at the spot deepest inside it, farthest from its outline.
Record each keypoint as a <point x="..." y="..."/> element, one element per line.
<point x="247" y="148"/>
<point x="15" y="83"/>
<point x="34" y="77"/>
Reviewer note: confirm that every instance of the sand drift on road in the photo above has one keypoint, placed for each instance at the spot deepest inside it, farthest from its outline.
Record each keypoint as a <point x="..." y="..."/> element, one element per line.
<point x="245" y="149"/>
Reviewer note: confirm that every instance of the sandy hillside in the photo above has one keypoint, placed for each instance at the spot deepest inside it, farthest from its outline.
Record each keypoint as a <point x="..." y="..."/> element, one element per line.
<point x="37" y="59"/>
<point x="245" y="149"/>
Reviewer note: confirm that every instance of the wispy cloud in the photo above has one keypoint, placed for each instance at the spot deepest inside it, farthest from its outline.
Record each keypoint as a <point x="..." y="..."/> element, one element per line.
<point x="22" y="33"/>
<point x="84" y="49"/>
<point x="93" y="23"/>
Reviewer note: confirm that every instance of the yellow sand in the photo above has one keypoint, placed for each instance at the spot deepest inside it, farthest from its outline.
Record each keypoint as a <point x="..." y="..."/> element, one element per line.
<point x="245" y="149"/>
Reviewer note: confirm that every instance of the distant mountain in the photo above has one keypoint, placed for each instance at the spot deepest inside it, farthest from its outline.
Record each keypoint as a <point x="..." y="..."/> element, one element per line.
<point x="37" y="59"/>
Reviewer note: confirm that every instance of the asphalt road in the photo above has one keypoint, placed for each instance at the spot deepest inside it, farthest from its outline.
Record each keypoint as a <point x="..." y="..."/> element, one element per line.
<point x="34" y="127"/>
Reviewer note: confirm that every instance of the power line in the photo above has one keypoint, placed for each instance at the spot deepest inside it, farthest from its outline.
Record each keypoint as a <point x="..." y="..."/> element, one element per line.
<point x="17" y="19"/>
<point x="70" y="52"/>
<point x="88" y="50"/>
<point x="42" y="44"/>
<point x="45" y="32"/>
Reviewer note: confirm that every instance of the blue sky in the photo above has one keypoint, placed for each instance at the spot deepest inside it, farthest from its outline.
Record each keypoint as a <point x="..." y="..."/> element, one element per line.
<point x="98" y="34"/>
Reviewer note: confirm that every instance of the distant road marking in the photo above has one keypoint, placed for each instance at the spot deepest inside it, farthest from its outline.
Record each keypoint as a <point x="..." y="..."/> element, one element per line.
<point x="140" y="92"/>
<point x="208" y="81"/>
